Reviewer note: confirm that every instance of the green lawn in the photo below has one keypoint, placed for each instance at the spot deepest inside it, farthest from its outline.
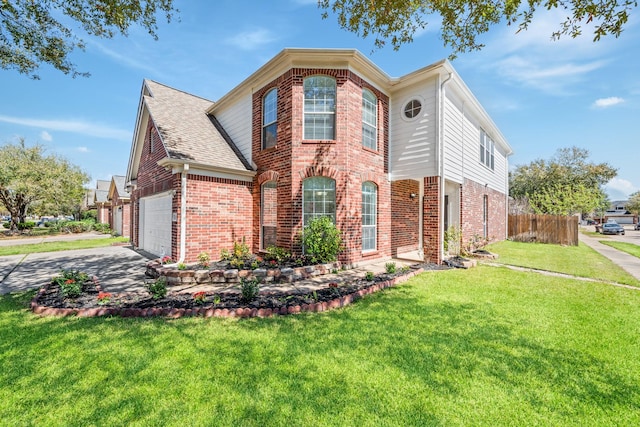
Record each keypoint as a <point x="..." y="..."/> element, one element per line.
<point x="579" y="260"/>
<point x="484" y="346"/>
<point x="629" y="248"/>
<point x="60" y="246"/>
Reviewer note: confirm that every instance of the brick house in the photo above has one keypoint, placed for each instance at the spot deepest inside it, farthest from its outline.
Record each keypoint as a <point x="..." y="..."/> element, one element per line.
<point x="101" y="201"/>
<point x="119" y="199"/>
<point x="317" y="132"/>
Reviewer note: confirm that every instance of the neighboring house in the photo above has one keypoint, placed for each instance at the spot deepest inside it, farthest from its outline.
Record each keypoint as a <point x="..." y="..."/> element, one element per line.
<point x="618" y="212"/>
<point x="314" y="132"/>
<point x="119" y="199"/>
<point x="101" y="201"/>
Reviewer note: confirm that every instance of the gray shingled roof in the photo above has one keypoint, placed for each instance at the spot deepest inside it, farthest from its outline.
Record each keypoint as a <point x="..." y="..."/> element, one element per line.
<point x="103" y="184"/>
<point x="187" y="132"/>
<point x="119" y="180"/>
<point x="101" y="196"/>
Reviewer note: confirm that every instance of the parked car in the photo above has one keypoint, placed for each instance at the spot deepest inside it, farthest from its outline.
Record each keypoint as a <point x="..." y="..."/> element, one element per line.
<point x="612" y="228"/>
<point x="45" y="220"/>
<point x="637" y="226"/>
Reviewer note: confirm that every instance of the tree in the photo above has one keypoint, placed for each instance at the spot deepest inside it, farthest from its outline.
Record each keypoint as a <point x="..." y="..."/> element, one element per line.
<point x="463" y="21"/>
<point x="565" y="185"/>
<point x="29" y="178"/>
<point x="35" y="32"/>
<point x="633" y="205"/>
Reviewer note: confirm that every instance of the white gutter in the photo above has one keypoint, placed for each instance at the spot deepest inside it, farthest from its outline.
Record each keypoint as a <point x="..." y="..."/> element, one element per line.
<point x="441" y="160"/>
<point x="183" y="213"/>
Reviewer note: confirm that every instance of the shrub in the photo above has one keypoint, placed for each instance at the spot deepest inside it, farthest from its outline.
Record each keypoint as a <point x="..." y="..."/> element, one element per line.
<point x="241" y="250"/>
<point x="321" y="240"/>
<point x="203" y="259"/>
<point x="71" y="282"/>
<point x="182" y="266"/>
<point x="390" y="267"/>
<point x="369" y="275"/>
<point x="158" y="288"/>
<point x="280" y="255"/>
<point x="104" y="298"/>
<point x="452" y="237"/>
<point x="102" y="228"/>
<point x="90" y="215"/>
<point x="200" y="297"/>
<point x="249" y="289"/>
<point x="27" y="225"/>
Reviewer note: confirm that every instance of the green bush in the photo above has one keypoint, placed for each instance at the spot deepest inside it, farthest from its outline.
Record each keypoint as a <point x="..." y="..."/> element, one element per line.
<point x="390" y="267"/>
<point x="158" y="288"/>
<point x="90" y="215"/>
<point x="27" y="225"/>
<point x="369" y="275"/>
<point x="274" y="253"/>
<point x="321" y="240"/>
<point x="71" y="282"/>
<point x="249" y="289"/>
<point x="101" y="228"/>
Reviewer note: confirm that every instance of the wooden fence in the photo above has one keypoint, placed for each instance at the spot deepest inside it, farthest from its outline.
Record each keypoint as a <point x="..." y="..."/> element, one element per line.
<point x="558" y="229"/>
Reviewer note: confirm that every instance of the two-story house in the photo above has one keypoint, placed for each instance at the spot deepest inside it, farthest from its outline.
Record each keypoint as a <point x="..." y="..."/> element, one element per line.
<point x="317" y="132"/>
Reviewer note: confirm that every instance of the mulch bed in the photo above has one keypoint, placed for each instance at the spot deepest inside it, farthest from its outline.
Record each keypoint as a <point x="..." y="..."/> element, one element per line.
<point x="50" y="301"/>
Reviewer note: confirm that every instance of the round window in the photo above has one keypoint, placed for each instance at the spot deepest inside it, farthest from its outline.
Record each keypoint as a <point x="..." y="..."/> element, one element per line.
<point x="412" y="109"/>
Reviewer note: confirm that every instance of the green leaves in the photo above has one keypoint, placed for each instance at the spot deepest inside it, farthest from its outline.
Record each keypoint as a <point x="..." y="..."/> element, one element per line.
<point x="463" y="21"/>
<point x="33" y="33"/>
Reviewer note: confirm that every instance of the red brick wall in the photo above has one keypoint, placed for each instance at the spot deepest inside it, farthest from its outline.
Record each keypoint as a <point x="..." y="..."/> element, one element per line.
<point x="472" y="212"/>
<point x="343" y="159"/>
<point x="405" y="216"/>
<point x="153" y="179"/>
<point x="219" y="213"/>
<point x="432" y="218"/>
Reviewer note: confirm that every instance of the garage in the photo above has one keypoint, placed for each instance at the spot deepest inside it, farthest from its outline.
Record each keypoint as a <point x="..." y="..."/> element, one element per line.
<point x="155" y="224"/>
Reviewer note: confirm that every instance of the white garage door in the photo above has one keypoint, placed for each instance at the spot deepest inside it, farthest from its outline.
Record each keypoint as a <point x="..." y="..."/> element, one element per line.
<point x="155" y="224"/>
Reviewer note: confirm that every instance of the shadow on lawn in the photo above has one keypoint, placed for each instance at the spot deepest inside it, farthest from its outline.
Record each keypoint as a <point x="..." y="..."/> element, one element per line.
<point x="392" y="345"/>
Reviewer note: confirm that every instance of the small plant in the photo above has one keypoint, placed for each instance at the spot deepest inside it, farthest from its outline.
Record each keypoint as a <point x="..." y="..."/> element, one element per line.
<point x="182" y="266"/>
<point x="225" y="255"/>
<point x="369" y="275"/>
<point x="71" y="282"/>
<point x="158" y="288"/>
<point x="333" y="284"/>
<point x="405" y="269"/>
<point x="255" y="264"/>
<point x="70" y="288"/>
<point x="241" y="249"/>
<point x="390" y="267"/>
<point x="200" y="297"/>
<point x="104" y="298"/>
<point x="452" y="238"/>
<point x="204" y="259"/>
<point x="166" y="260"/>
<point x="216" y="299"/>
<point x="321" y="240"/>
<point x="237" y="263"/>
<point x="279" y="255"/>
<point x="249" y="288"/>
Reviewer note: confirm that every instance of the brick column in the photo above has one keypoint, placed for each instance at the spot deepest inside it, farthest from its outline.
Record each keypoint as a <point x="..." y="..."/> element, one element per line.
<point x="432" y="217"/>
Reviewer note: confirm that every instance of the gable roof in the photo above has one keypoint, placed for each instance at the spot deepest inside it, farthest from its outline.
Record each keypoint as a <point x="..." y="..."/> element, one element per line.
<point x="188" y="134"/>
<point x="118" y="185"/>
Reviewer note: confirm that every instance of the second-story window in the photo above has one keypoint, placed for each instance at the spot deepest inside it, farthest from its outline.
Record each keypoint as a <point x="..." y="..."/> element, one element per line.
<point x="487" y="147"/>
<point x="319" y="107"/>
<point x="270" y="119"/>
<point x="369" y="120"/>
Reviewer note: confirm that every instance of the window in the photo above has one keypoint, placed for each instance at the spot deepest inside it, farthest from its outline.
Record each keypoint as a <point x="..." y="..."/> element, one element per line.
<point x="412" y="109"/>
<point x="369" y="120"/>
<point x="319" y="107"/>
<point x="318" y="198"/>
<point x="369" y="216"/>
<point x="269" y="214"/>
<point x="486" y="150"/>
<point x="270" y="119"/>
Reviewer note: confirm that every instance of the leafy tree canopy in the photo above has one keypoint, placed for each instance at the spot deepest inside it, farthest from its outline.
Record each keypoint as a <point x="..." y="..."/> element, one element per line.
<point x="36" y="32"/>
<point x="29" y="178"/>
<point x="634" y="203"/>
<point x="463" y="21"/>
<point x="566" y="184"/>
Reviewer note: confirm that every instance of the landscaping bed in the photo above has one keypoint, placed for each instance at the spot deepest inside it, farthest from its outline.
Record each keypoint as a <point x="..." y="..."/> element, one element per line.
<point x="92" y="301"/>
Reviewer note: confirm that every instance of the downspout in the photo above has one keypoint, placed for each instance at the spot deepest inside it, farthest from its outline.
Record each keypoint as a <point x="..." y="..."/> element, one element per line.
<point x="183" y="212"/>
<point x="441" y="161"/>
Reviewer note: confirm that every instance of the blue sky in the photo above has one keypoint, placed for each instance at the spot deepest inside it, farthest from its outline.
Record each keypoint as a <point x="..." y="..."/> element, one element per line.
<point x="543" y="95"/>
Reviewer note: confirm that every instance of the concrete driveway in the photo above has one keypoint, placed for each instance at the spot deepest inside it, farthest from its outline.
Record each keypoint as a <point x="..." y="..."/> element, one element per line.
<point x="118" y="268"/>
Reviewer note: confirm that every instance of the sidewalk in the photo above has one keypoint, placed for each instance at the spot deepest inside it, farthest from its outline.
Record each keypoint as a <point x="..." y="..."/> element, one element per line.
<point x="628" y="262"/>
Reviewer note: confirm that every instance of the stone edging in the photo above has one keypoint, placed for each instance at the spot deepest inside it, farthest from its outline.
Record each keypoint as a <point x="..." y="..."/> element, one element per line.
<point x="174" y="276"/>
<point x="214" y="312"/>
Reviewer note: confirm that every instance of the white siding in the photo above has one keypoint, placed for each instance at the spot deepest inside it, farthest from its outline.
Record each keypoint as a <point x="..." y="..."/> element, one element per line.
<point x="237" y="121"/>
<point x="462" y="147"/>
<point x="412" y="143"/>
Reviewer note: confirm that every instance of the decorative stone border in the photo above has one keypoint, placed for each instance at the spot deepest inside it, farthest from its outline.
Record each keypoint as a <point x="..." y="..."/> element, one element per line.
<point x="174" y="276"/>
<point x="241" y="312"/>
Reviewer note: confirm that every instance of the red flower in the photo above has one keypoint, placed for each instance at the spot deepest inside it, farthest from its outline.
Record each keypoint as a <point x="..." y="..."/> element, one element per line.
<point x="104" y="295"/>
<point x="199" y="296"/>
<point x="333" y="285"/>
<point x="69" y="281"/>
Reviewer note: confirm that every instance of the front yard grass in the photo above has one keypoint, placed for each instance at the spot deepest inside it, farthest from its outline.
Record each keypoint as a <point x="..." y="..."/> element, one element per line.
<point x="578" y="260"/>
<point x="484" y="346"/>
<point x="629" y="248"/>
<point x="60" y="246"/>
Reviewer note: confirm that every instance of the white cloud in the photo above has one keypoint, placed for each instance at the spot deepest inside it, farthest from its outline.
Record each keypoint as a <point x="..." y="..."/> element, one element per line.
<point x="251" y="40"/>
<point x="124" y="60"/>
<point x="73" y="126"/>
<point x="82" y="149"/>
<point x="46" y="136"/>
<point x="607" y="102"/>
<point x="620" y="187"/>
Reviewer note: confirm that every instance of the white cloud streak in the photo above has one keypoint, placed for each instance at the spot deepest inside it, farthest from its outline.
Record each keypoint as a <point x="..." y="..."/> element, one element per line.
<point x="621" y="186"/>
<point x="607" y="102"/>
<point x="82" y="149"/>
<point x="73" y="126"/>
<point x="251" y="40"/>
<point x="46" y="136"/>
